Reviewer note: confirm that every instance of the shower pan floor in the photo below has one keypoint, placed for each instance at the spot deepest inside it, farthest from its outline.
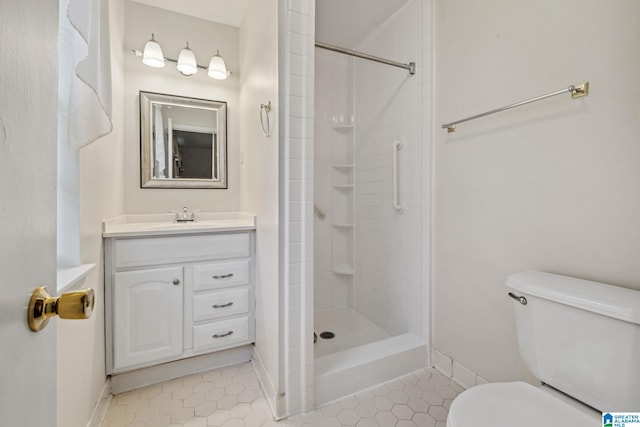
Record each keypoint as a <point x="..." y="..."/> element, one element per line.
<point x="350" y="328"/>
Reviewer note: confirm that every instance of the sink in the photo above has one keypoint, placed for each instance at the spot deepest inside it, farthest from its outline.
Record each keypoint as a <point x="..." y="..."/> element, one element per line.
<point x="156" y="224"/>
<point x="190" y="224"/>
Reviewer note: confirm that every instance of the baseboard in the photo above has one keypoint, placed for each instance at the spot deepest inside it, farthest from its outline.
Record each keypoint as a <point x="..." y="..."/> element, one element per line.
<point x="102" y="405"/>
<point x="167" y="371"/>
<point x="268" y="387"/>
<point x="455" y="370"/>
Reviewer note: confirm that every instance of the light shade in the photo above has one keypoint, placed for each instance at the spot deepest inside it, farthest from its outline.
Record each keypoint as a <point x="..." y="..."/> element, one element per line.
<point x="152" y="55"/>
<point x="187" y="62"/>
<point x="217" y="68"/>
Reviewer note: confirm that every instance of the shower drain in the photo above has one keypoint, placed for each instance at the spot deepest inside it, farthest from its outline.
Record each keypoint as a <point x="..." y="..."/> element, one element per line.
<point x="325" y="335"/>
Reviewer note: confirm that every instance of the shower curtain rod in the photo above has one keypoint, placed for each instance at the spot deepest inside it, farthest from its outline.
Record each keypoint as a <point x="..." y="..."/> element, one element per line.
<point x="411" y="66"/>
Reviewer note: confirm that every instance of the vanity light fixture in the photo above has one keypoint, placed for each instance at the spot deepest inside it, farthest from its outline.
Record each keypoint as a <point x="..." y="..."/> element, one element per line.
<point x="186" y="62"/>
<point x="217" y="68"/>
<point x="152" y="55"/>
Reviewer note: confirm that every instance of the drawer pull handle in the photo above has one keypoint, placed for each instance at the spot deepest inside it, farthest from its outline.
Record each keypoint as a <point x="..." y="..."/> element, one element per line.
<point x="229" y="304"/>
<point x="176" y="282"/>
<point x="223" y="276"/>
<point x="222" y="335"/>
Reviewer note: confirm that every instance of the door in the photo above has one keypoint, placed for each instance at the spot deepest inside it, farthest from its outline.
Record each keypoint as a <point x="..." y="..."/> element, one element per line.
<point x="28" y="127"/>
<point x="147" y="315"/>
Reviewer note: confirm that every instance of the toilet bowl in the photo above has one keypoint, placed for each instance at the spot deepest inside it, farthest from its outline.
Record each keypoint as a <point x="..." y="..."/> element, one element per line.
<point x="579" y="337"/>
<point x="517" y="404"/>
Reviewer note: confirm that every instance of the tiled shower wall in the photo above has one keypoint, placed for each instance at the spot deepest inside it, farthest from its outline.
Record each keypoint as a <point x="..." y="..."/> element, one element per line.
<point x="389" y="281"/>
<point x="296" y="83"/>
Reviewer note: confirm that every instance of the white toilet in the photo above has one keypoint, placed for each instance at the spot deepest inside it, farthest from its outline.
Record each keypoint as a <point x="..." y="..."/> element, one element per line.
<point x="579" y="337"/>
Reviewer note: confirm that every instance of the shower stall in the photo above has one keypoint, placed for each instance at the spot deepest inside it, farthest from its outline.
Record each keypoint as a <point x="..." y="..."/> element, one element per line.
<point x="370" y="222"/>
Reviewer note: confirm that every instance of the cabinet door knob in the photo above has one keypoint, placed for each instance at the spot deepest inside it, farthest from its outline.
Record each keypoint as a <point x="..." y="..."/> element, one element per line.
<point x="176" y="282"/>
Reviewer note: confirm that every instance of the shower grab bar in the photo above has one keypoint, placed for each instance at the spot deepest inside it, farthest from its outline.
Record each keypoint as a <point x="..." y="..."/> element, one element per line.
<point x="577" y="91"/>
<point x="411" y="66"/>
<point x="397" y="146"/>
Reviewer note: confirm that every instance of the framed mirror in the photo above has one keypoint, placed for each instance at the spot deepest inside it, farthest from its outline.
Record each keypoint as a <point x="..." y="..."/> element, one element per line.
<point x="183" y="142"/>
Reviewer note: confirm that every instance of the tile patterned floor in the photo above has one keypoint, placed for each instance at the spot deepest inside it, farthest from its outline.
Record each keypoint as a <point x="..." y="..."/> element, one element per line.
<point x="231" y="397"/>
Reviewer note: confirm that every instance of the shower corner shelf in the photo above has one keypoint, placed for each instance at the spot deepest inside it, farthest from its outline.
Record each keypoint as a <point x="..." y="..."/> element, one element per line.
<point x="344" y="187"/>
<point x="343" y="167"/>
<point x="343" y="128"/>
<point x="343" y="270"/>
<point x="343" y="225"/>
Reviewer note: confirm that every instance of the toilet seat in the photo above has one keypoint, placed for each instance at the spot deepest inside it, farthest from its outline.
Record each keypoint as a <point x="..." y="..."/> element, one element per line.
<point x="515" y="404"/>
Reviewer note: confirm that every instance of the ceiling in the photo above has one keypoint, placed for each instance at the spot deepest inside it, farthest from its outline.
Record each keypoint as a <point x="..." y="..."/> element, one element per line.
<point x="228" y="12"/>
<point x="347" y="22"/>
<point x="341" y="22"/>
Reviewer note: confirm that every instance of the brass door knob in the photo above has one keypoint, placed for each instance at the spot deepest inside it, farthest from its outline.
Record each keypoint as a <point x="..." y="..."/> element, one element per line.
<point x="70" y="305"/>
<point x="76" y="305"/>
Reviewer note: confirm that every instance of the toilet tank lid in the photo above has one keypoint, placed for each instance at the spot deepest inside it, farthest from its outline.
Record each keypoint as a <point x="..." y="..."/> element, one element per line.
<point x="608" y="300"/>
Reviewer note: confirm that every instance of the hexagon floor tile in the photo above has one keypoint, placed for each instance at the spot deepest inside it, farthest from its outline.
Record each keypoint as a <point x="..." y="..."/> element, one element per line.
<point x="231" y="397"/>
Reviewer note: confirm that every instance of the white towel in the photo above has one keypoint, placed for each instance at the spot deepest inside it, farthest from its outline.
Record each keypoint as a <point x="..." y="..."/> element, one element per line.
<point x="85" y="67"/>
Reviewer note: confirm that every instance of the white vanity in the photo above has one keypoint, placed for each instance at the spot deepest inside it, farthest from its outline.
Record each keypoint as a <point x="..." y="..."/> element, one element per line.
<point x="177" y="290"/>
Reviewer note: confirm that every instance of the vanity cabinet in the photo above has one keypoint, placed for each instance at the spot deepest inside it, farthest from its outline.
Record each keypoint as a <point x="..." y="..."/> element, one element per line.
<point x="170" y="297"/>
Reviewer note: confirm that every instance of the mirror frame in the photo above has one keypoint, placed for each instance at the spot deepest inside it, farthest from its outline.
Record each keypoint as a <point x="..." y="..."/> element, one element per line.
<point x="147" y="180"/>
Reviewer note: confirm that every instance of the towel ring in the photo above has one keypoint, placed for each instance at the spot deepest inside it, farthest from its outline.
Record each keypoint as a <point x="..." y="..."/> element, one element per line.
<point x="266" y="108"/>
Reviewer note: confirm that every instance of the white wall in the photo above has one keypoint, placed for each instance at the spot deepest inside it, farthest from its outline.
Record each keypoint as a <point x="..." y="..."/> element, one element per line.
<point x="389" y="260"/>
<point x="550" y="186"/>
<point x="172" y="30"/>
<point x="323" y="81"/>
<point x="333" y="88"/>
<point x="81" y="353"/>
<point x="259" y="171"/>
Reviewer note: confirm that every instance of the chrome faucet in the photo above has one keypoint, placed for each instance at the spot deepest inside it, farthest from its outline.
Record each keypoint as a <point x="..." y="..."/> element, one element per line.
<point x="184" y="215"/>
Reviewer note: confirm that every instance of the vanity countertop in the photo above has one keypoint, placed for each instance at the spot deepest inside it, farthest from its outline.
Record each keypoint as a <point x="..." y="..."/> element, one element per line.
<point x="164" y="224"/>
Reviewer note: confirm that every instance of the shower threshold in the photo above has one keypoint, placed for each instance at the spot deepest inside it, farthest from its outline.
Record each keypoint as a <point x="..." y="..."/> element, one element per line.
<point x="349" y="371"/>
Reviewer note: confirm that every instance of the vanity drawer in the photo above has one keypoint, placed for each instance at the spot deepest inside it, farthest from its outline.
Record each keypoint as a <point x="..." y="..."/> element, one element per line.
<point x="220" y="275"/>
<point x="177" y="249"/>
<point x="214" y="305"/>
<point x="221" y="334"/>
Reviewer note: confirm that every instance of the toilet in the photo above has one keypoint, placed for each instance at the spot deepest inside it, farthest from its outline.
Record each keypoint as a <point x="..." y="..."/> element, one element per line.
<point x="581" y="339"/>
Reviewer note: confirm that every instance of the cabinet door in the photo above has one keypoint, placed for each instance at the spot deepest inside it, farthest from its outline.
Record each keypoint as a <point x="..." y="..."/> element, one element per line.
<point x="147" y="316"/>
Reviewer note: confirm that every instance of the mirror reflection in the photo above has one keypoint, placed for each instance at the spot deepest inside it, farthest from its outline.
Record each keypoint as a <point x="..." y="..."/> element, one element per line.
<point x="183" y="142"/>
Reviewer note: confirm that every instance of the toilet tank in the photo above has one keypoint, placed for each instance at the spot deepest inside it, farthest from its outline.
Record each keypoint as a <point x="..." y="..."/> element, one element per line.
<point x="580" y="337"/>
